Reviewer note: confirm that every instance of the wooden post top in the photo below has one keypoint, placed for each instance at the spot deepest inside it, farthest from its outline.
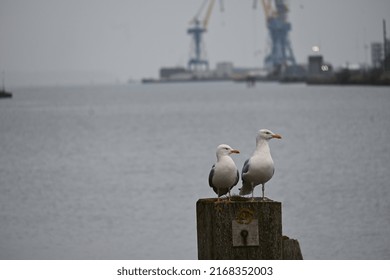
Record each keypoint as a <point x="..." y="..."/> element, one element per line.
<point x="239" y="229"/>
<point x="238" y="199"/>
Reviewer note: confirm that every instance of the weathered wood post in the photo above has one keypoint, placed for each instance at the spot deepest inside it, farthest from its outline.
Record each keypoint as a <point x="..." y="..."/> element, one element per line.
<point x="242" y="229"/>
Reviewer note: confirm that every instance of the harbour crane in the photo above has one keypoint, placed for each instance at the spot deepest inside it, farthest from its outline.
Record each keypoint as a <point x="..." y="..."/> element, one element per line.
<point x="281" y="55"/>
<point x="198" y="59"/>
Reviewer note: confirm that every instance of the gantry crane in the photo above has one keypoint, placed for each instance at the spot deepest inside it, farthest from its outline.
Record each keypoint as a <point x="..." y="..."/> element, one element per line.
<point x="198" y="59"/>
<point x="281" y="54"/>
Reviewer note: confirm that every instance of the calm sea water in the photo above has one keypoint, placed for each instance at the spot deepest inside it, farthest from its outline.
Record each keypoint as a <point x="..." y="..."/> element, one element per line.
<point x="114" y="172"/>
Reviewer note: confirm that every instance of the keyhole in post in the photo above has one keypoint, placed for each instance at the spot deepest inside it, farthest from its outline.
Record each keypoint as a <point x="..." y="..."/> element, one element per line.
<point x="244" y="235"/>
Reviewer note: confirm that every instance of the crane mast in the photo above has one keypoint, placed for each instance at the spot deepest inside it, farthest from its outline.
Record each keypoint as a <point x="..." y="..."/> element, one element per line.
<point x="281" y="54"/>
<point x="198" y="59"/>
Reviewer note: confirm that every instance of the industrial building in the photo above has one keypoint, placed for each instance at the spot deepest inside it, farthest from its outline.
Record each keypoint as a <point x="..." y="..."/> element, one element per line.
<point x="279" y="63"/>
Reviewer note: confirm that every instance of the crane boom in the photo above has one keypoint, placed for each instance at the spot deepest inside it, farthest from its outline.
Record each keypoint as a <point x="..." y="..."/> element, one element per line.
<point x="267" y="7"/>
<point x="208" y="14"/>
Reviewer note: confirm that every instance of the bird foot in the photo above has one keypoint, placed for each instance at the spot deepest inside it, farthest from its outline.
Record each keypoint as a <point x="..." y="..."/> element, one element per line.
<point x="218" y="201"/>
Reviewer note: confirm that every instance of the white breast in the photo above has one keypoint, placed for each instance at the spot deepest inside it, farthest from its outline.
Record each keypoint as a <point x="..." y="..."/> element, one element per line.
<point x="225" y="173"/>
<point x="261" y="169"/>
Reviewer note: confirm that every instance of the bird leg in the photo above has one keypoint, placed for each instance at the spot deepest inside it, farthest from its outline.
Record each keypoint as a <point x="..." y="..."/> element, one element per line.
<point x="262" y="189"/>
<point x="218" y="199"/>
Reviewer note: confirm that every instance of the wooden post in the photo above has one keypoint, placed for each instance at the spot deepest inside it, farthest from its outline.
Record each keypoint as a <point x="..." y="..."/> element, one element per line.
<point x="291" y="249"/>
<point x="241" y="229"/>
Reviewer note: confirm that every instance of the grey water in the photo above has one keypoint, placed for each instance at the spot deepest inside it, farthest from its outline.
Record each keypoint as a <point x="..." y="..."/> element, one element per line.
<point x="114" y="172"/>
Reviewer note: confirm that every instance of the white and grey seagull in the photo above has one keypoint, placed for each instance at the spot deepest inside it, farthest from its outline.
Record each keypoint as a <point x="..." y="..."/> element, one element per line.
<point x="224" y="174"/>
<point x="259" y="168"/>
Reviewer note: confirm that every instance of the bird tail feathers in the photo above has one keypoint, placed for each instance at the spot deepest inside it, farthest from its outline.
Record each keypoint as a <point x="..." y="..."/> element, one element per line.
<point x="221" y="191"/>
<point x="245" y="189"/>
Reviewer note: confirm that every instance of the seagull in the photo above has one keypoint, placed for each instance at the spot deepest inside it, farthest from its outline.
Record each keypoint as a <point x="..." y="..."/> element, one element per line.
<point x="259" y="168"/>
<point x="224" y="174"/>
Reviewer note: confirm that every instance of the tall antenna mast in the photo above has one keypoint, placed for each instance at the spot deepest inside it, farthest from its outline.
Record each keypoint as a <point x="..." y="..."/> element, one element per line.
<point x="2" y="80"/>
<point x="384" y="46"/>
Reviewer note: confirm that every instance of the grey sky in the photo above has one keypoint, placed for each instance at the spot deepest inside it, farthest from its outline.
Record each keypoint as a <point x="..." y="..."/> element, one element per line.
<point x="100" y="41"/>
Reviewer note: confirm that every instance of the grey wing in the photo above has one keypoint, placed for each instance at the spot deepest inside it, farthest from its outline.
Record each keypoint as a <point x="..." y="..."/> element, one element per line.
<point x="237" y="178"/>
<point x="211" y="175"/>
<point x="220" y="191"/>
<point x="246" y="186"/>
<point x="245" y="168"/>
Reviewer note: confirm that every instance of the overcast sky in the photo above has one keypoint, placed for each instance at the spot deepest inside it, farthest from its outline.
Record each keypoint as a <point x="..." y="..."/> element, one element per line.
<point x="101" y="41"/>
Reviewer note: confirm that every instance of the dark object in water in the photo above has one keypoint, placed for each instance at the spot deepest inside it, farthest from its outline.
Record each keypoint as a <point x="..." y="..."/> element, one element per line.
<point x="5" y="94"/>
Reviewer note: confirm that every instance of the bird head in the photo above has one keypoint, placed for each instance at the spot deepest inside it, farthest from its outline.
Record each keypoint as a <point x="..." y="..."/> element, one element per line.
<point x="267" y="135"/>
<point x="224" y="150"/>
